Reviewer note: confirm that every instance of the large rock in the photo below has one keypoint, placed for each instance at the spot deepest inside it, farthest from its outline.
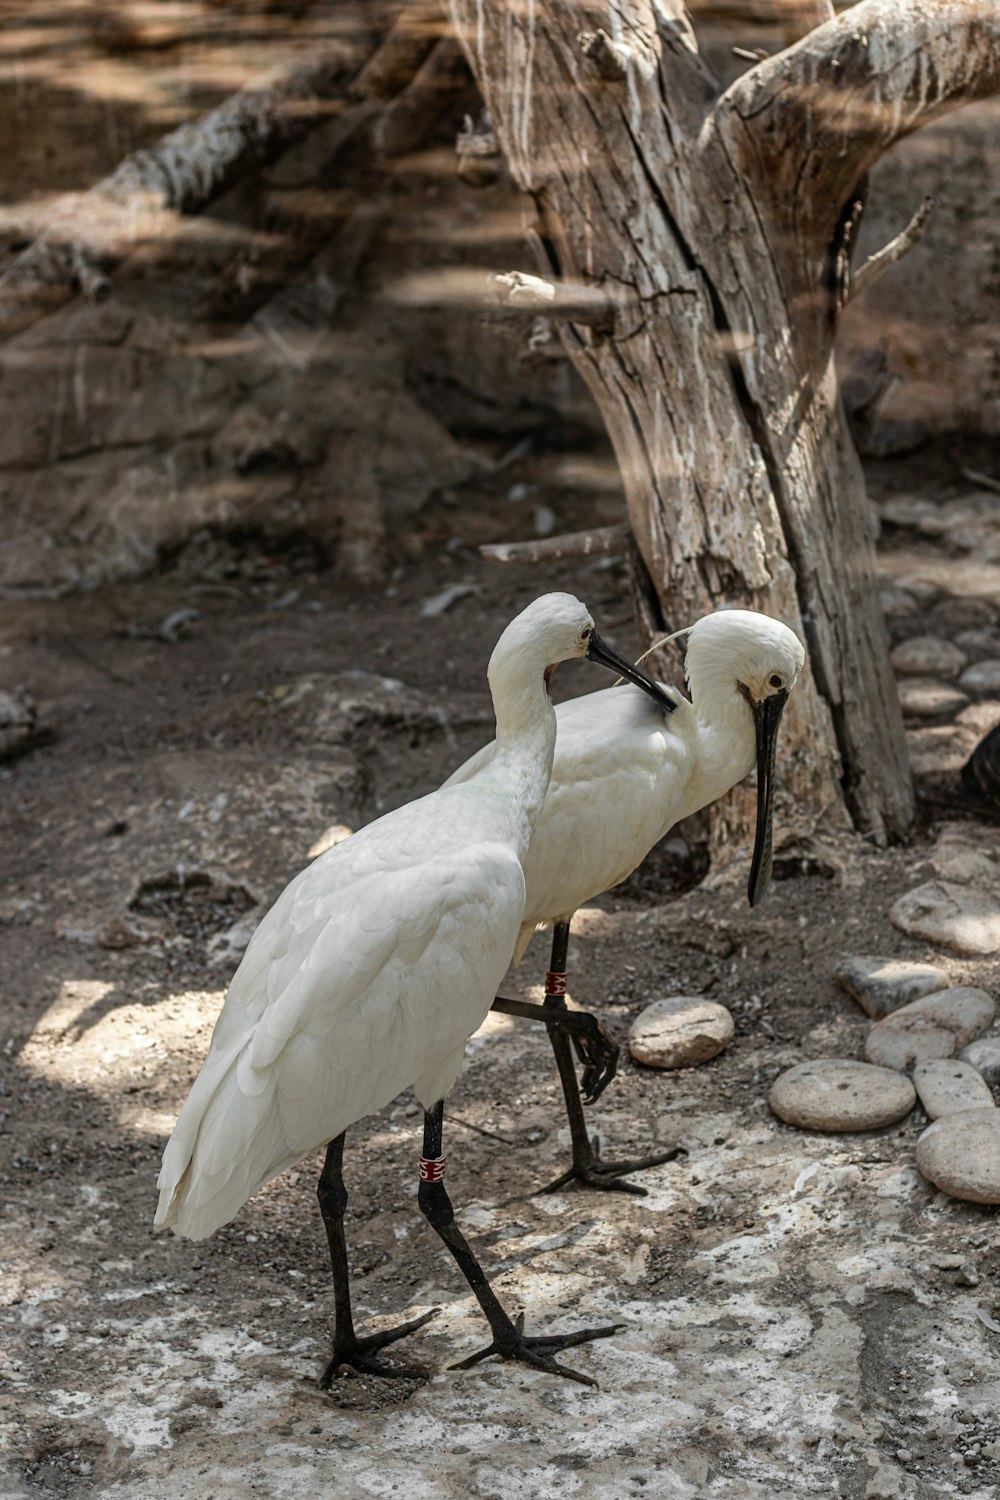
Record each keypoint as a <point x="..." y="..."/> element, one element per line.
<point x="960" y="1154"/>
<point x="928" y="656"/>
<point x="831" y="1093"/>
<point x="926" y="698"/>
<point x="932" y="1027"/>
<point x="881" y="985"/>
<point x="947" y="1086"/>
<point x="679" y="1031"/>
<point x="963" y="919"/>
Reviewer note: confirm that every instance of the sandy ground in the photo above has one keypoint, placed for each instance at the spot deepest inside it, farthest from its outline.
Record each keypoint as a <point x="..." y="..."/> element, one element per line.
<point x="798" y="1316"/>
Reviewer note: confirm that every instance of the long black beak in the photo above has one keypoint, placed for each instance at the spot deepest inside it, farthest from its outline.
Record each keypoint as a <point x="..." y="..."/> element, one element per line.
<point x="767" y="716"/>
<point x="599" y="650"/>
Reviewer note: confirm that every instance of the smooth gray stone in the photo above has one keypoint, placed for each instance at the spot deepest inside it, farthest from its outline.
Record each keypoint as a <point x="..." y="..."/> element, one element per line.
<point x="680" y="1031"/>
<point x="925" y="698"/>
<point x="881" y="985"/>
<point x="961" y="918"/>
<point x="935" y="1026"/>
<point x="984" y="1056"/>
<point x="928" y="656"/>
<point x="960" y="1154"/>
<point x="981" y="677"/>
<point x="947" y="1085"/>
<point x="832" y="1093"/>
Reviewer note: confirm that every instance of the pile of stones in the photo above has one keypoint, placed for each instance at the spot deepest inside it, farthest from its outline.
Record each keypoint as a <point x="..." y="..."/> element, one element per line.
<point x="926" y="1041"/>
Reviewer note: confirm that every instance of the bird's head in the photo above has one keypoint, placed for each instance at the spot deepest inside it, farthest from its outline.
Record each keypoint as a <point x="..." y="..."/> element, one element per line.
<point x="556" y="628"/>
<point x="760" y="658"/>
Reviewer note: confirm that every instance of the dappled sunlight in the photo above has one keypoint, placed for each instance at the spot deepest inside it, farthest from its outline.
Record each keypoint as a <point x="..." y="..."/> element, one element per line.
<point x="126" y="1052"/>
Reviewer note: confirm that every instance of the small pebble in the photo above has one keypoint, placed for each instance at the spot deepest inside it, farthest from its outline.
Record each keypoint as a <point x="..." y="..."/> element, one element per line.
<point x="881" y="985"/>
<point x="982" y="677"/>
<point x="679" y="1031"/>
<point x="924" y="698"/>
<point x="928" y="656"/>
<point x="963" y="919"/>
<point x="984" y="1056"/>
<point x="967" y="1275"/>
<point x="834" y="1094"/>
<point x="960" y="1154"/>
<point x="934" y="1026"/>
<point x="946" y="1085"/>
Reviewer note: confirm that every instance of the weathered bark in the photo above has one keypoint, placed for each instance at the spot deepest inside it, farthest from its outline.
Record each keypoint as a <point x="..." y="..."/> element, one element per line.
<point x="87" y="233"/>
<point x="722" y="219"/>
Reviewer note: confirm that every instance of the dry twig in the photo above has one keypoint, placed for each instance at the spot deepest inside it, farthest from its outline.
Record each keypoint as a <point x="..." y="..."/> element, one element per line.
<point x="600" y="541"/>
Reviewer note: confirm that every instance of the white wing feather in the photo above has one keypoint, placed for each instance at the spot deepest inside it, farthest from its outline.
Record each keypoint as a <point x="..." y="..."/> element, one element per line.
<point x="368" y="974"/>
<point x="618" y="778"/>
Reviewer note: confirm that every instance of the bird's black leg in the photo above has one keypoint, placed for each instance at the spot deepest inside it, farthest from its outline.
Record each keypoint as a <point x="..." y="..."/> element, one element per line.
<point x="509" y="1339"/>
<point x="587" y="1169"/>
<point x="348" y="1349"/>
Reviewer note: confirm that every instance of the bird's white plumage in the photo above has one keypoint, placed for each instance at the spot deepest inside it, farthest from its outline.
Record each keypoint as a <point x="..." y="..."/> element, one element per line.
<point x="624" y="772"/>
<point x="377" y="962"/>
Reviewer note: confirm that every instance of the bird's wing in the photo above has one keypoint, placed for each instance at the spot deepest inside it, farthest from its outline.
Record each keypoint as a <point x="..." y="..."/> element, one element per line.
<point x="620" y="764"/>
<point x="369" y="970"/>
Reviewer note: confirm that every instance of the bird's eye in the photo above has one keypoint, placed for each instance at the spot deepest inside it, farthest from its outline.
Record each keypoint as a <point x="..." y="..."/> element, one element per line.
<point x="775" y="680"/>
<point x="586" y="634"/>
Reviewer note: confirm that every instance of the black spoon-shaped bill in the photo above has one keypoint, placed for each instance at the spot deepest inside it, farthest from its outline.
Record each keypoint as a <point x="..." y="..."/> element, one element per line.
<point x="599" y="650"/>
<point x="767" y="716"/>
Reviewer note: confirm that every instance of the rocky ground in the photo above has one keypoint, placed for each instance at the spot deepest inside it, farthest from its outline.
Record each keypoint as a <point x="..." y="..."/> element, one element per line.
<point x="801" y="1312"/>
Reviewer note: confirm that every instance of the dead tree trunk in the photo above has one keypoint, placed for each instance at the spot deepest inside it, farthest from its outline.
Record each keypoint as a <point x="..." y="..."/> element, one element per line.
<point x="718" y="226"/>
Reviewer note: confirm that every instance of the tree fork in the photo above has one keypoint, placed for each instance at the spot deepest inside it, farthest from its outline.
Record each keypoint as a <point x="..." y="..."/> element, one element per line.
<point x="717" y="215"/>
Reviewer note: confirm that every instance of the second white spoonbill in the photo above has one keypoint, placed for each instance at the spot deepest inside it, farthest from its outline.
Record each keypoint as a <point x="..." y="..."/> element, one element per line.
<point x="623" y="774"/>
<point x="369" y="974"/>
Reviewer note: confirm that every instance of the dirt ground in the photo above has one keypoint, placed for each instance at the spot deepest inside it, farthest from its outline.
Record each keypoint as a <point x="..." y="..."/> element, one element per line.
<point x="799" y="1313"/>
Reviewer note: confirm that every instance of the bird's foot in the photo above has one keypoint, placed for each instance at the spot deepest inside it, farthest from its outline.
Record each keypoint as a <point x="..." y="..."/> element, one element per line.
<point x="360" y="1354"/>
<point x="606" y="1176"/>
<point x="538" y="1350"/>
<point x="595" y="1047"/>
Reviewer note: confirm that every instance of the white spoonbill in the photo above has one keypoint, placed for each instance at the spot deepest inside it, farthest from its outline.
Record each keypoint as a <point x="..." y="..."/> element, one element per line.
<point x="369" y="974"/>
<point x="622" y="776"/>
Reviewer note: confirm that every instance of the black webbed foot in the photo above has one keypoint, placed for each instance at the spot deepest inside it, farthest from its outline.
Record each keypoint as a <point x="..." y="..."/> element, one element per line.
<point x="535" y="1350"/>
<point x="595" y="1047"/>
<point x="360" y="1354"/>
<point x="605" y="1176"/>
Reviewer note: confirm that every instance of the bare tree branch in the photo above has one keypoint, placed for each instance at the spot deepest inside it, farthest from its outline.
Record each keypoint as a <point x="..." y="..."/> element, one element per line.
<point x="601" y="541"/>
<point x="88" y="232"/>
<point x="407" y="119"/>
<point x="419" y="27"/>
<point x="515" y="291"/>
<point x="822" y="113"/>
<point x="892" y="252"/>
<point x="984" y="481"/>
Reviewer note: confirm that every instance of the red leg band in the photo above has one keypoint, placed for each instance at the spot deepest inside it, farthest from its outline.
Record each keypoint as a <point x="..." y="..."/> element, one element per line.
<point x="555" y="983"/>
<point x="432" y="1168"/>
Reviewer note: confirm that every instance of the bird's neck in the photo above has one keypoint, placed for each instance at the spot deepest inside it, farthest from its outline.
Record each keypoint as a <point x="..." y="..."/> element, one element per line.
<point x="725" y="735"/>
<point x="525" y="744"/>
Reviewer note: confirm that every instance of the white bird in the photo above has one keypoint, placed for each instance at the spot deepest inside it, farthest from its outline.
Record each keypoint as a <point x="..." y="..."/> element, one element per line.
<point x="368" y="975"/>
<point x="623" y="774"/>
